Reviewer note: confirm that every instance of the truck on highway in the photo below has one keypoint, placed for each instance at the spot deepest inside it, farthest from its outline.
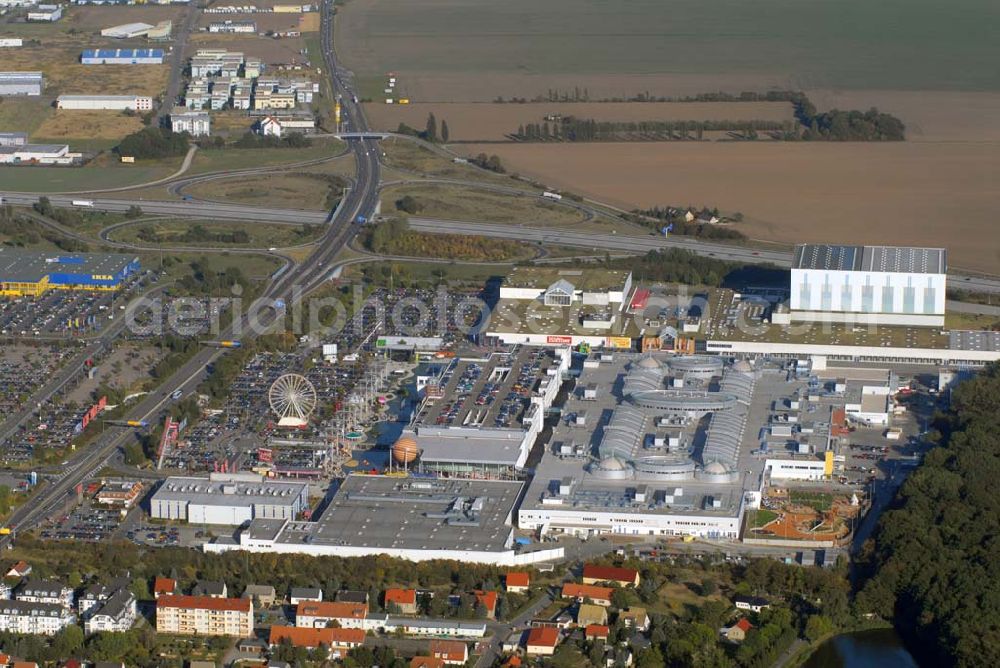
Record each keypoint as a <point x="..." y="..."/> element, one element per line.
<point x="88" y="203"/>
<point x="552" y="195"/>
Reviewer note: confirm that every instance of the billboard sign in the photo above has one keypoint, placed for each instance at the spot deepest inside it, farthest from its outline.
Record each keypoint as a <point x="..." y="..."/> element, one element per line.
<point x="564" y="340"/>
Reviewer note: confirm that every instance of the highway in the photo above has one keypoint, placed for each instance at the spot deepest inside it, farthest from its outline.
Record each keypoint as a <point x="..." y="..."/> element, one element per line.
<point x="299" y="280"/>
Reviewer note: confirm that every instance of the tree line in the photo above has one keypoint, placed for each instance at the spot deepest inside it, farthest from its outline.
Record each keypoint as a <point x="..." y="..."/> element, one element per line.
<point x="935" y="559"/>
<point x="657" y="218"/>
<point x="573" y="129"/>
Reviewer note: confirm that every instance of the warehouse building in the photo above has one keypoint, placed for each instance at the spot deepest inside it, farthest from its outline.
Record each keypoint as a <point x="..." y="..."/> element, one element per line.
<point x="195" y="123"/>
<point x="37" y="154"/>
<point x="228" y="499"/>
<point x="126" y="30"/>
<point x="13" y="138"/>
<point x="248" y="27"/>
<point x="105" y="102"/>
<point x="50" y="13"/>
<point x="884" y="285"/>
<point x="8" y="42"/>
<point x="33" y="274"/>
<point x="21" y="83"/>
<point x="122" y="57"/>
<point x="409" y="518"/>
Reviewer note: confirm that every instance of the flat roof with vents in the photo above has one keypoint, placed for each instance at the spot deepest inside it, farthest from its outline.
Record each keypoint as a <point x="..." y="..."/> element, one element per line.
<point x="889" y="259"/>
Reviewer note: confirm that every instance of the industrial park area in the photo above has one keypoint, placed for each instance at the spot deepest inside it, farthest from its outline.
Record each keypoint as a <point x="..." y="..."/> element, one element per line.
<point x="292" y="376"/>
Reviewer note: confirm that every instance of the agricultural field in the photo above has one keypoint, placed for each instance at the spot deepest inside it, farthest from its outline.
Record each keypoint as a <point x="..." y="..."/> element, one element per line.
<point x="494" y="122"/>
<point x="405" y="159"/>
<point x="926" y="193"/>
<point x="206" y="233"/>
<point x="453" y="202"/>
<point x="467" y="50"/>
<point x="286" y="190"/>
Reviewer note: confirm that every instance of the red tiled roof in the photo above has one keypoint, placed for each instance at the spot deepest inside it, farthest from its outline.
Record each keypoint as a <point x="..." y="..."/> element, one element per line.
<point x="452" y="650"/>
<point x="596" y="631"/>
<point x="518" y="579"/>
<point x="593" y="592"/>
<point x="426" y="662"/>
<point x="204" y="603"/>
<point x="164" y="586"/>
<point x="306" y="637"/>
<point x="543" y="636"/>
<point x="610" y="573"/>
<point x="401" y="596"/>
<point x="744" y="624"/>
<point x="332" y="609"/>
<point x="488" y="599"/>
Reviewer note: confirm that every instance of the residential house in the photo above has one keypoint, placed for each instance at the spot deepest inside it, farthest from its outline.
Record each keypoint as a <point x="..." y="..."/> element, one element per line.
<point x="597" y="632"/>
<point x="542" y="641"/>
<point x="426" y="662"/>
<point x="34" y="618"/>
<point x="317" y="614"/>
<point x="305" y="595"/>
<point x="452" y="652"/>
<point x="96" y="594"/>
<point x="751" y="603"/>
<point x="210" y="589"/>
<point x="593" y="593"/>
<point x="163" y="586"/>
<point x="635" y="618"/>
<point x="349" y="596"/>
<point x="588" y="614"/>
<point x="21" y="569"/>
<point x="262" y="595"/>
<point x="116" y="614"/>
<point x="517" y="582"/>
<point x="403" y="600"/>
<point x="594" y="574"/>
<point x="338" y="641"/>
<point x="487" y="599"/>
<point x="737" y="632"/>
<point x="45" y="591"/>
<point x="204" y="615"/>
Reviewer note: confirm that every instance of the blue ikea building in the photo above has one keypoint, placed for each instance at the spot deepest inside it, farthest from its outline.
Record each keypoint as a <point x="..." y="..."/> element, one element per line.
<point x="34" y="274"/>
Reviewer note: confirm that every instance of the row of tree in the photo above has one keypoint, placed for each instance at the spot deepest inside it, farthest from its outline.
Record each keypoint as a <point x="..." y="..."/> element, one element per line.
<point x="573" y="129"/>
<point x="431" y="131"/>
<point x="152" y="143"/>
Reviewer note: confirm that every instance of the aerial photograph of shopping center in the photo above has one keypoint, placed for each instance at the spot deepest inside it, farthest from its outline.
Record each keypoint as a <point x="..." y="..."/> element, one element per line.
<point x="373" y="333"/>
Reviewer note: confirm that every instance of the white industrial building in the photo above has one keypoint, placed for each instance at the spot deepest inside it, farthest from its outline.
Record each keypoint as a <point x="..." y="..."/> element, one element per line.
<point x="195" y="123"/>
<point x="248" y="27"/>
<point x="6" y="42"/>
<point x="228" y="499"/>
<point x="127" y="30"/>
<point x="49" y="13"/>
<point x="805" y="468"/>
<point x="21" y="83"/>
<point x="868" y="284"/>
<point x="105" y="102"/>
<point x="13" y="138"/>
<point x="42" y="154"/>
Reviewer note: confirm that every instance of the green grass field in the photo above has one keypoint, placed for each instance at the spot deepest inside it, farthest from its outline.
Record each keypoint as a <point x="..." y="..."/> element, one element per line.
<point x="70" y="179"/>
<point x="759" y="518"/>
<point x="215" y="160"/>
<point x="805" y="44"/>
<point x="818" y="501"/>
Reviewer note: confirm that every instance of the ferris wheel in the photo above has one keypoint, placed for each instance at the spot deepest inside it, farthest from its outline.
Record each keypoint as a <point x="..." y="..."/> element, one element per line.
<point x="293" y="399"/>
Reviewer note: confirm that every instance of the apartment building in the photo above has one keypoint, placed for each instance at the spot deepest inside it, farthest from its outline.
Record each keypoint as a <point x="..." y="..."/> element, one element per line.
<point x="203" y="615"/>
<point x="35" y="618"/>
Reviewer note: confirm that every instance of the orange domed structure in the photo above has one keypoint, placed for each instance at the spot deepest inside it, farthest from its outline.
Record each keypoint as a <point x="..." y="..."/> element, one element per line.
<point x="405" y="450"/>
